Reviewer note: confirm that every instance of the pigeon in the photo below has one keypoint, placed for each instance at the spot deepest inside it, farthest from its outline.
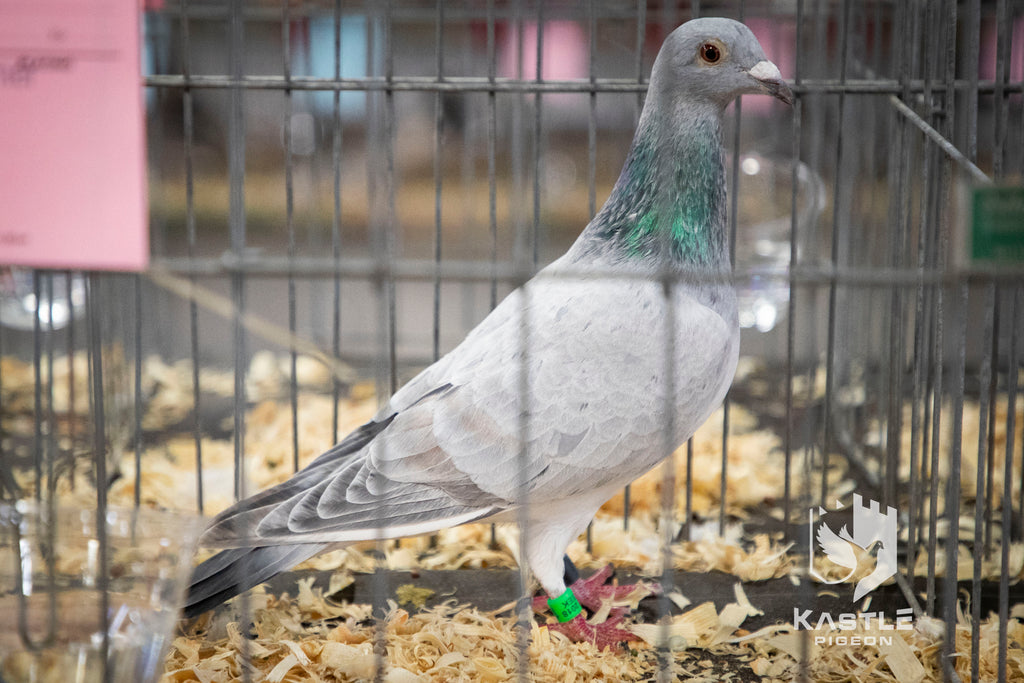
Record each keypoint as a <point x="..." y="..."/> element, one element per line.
<point x="579" y="381"/>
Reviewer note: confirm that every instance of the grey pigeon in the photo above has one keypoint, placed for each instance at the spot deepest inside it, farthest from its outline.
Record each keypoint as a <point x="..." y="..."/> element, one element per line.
<point x="619" y="364"/>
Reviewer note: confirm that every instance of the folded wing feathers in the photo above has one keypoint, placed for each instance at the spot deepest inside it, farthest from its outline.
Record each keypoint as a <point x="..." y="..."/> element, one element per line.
<point x="248" y="512"/>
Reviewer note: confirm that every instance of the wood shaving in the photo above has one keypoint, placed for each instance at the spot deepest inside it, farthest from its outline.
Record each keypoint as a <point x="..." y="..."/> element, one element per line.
<point x="694" y="628"/>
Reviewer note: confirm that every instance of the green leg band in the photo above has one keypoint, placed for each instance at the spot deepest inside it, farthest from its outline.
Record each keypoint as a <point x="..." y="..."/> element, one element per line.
<point x="565" y="607"/>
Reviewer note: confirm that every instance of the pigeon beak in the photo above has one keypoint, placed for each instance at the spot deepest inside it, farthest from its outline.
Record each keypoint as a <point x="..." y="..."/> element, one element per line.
<point x="770" y="80"/>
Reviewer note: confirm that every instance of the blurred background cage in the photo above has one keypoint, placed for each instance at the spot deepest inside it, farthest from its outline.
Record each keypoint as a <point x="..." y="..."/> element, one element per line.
<point x="339" y="191"/>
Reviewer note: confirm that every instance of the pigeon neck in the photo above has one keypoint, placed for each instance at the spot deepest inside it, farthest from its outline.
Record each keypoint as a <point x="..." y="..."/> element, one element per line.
<point x="670" y="197"/>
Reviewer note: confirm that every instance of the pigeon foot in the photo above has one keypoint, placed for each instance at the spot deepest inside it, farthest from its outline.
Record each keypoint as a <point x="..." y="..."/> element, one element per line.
<point x="592" y="591"/>
<point x="607" y="634"/>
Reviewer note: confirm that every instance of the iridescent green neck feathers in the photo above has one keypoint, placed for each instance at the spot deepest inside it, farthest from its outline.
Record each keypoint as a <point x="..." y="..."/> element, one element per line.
<point x="669" y="200"/>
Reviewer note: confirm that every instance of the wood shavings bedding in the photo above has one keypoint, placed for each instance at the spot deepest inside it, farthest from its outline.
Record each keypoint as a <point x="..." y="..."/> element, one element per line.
<point x="167" y="387"/>
<point x="310" y="638"/>
<point x="969" y="450"/>
<point x="447" y="643"/>
<point x="902" y="656"/>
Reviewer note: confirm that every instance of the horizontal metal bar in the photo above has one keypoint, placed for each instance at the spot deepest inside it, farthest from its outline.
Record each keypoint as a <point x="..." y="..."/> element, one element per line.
<point x="486" y="271"/>
<point x="424" y="13"/>
<point x="887" y="86"/>
<point x="484" y="84"/>
<point x="935" y="136"/>
<point x="404" y="83"/>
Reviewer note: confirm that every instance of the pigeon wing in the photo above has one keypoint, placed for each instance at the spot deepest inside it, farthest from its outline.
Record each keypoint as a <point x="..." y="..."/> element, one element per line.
<point x="835" y="548"/>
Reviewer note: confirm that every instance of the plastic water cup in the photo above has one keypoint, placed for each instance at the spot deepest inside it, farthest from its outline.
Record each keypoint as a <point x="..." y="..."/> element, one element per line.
<point x="82" y="601"/>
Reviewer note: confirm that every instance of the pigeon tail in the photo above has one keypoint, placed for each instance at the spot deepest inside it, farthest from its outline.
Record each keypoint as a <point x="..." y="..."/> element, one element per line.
<point x="234" y="571"/>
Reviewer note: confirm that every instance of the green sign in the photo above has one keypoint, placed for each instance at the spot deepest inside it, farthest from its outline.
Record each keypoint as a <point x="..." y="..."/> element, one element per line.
<point x="997" y="230"/>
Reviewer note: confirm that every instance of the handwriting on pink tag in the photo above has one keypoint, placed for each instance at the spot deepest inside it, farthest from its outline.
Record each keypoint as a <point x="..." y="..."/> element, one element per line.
<point x="72" y="145"/>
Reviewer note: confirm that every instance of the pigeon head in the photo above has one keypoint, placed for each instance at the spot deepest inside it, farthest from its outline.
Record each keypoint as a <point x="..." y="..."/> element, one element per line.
<point x="715" y="60"/>
<point x="670" y="198"/>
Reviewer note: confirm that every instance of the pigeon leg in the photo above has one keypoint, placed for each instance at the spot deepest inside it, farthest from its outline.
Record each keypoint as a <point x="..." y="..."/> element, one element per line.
<point x="570" y="576"/>
<point x="570" y="573"/>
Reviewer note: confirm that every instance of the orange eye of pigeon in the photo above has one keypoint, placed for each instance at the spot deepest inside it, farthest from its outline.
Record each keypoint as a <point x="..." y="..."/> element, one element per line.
<point x="710" y="53"/>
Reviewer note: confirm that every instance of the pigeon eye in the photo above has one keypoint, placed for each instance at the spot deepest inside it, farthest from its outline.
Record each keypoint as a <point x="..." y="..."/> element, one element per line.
<point x="710" y="53"/>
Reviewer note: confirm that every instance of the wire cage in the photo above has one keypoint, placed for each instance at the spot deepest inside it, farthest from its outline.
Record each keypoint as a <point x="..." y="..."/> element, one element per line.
<point x="340" y="191"/>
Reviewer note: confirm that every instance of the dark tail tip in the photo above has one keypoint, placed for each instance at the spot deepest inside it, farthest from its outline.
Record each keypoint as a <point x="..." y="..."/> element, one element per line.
<point x="232" y="572"/>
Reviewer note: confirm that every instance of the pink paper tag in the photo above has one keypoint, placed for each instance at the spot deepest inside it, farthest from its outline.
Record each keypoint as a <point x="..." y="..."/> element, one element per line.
<point x="72" y="144"/>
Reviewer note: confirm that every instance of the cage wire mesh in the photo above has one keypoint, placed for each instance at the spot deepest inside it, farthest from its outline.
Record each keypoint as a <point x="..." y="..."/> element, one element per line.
<point x="340" y="191"/>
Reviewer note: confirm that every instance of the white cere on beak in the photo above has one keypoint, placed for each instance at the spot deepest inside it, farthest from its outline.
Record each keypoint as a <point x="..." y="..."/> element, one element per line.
<point x="765" y="71"/>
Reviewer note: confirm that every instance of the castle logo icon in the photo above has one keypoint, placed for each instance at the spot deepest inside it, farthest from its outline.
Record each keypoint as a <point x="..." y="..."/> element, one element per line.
<point x="871" y="530"/>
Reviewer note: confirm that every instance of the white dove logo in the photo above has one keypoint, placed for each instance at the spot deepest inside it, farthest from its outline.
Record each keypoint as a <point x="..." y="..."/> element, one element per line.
<point x="870" y="528"/>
